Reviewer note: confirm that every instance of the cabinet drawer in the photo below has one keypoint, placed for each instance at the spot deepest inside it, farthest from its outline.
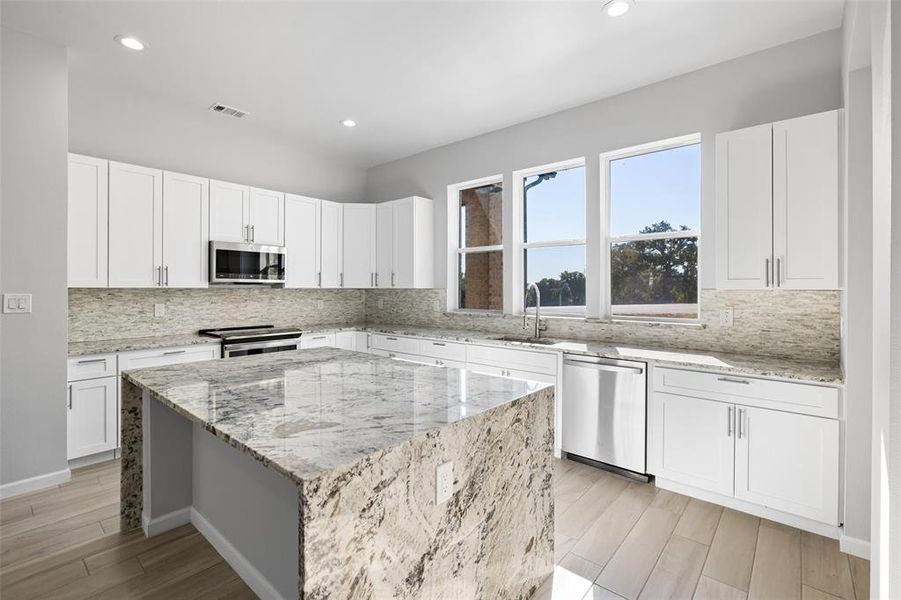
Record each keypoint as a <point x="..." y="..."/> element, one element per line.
<point x="143" y="359"/>
<point x="394" y="343"/>
<point x="511" y="373"/>
<point x="520" y="360"/>
<point x="441" y="349"/>
<point x="91" y="367"/>
<point x="317" y="340"/>
<point x="780" y="395"/>
<point x="405" y="357"/>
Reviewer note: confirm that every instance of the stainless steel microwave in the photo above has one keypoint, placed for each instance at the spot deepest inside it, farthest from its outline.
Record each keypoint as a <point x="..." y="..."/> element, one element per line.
<point x="234" y="262"/>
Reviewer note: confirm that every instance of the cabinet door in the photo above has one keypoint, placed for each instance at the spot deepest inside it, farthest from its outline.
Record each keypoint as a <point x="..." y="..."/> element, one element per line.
<point x="135" y="226"/>
<point x="302" y="235"/>
<point x="788" y="462"/>
<point x="805" y="201"/>
<point x="186" y="230"/>
<point x="267" y="217"/>
<point x="229" y="212"/>
<point x="88" y="212"/>
<point x="331" y="236"/>
<point x="744" y="208"/>
<point x="384" y="225"/>
<point x="93" y="417"/>
<point x="404" y="242"/>
<point x="692" y="441"/>
<point x="346" y="340"/>
<point x="317" y="340"/>
<point x="358" y="249"/>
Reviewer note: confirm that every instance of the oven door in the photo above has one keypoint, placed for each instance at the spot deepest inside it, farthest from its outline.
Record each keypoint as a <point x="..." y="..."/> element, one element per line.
<point x="232" y="262"/>
<point x="251" y="348"/>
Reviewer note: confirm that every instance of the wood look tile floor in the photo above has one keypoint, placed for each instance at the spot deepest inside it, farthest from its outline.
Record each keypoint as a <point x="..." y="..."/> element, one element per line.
<point x="616" y="539"/>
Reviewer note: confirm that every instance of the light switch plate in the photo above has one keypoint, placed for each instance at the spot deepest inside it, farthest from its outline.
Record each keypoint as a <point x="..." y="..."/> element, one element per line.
<point x="17" y="303"/>
<point x="444" y="482"/>
<point x="159" y="310"/>
<point x="727" y="317"/>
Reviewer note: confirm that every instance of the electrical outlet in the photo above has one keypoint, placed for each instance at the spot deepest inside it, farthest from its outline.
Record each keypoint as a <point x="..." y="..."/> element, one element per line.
<point x="436" y="305"/>
<point x="381" y="303"/>
<point x="159" y="310"/>
<point x="320" y="304"/>
<point x="726" y="317"/>
<point x="444" y="482"/>
<point x="17" y="303"/>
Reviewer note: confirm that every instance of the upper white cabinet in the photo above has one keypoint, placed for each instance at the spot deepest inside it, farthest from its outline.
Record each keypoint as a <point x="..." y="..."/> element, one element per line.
<point x="186" y="223"/>
<point x="302" y="239"/>
<point x="405" y="243"/>
<point x="805" y="201"/>
<point x="358" y="250"/>
<point x="135" y="226"/>
<point x="239" y="213"/>
<point x="330" y="248"/>
<point x="777" y="204"/>
<point x="87" y="214"/>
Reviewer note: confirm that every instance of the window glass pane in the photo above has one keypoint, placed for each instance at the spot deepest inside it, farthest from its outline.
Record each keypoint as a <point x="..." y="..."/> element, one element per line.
<point x="554" y="205"/>
<point x="656" y="278"/>
<point x="482" y="280"/>
<point x="656" y="190"/>
<point x="481" y="216"/>
<point x="560" y="274"/>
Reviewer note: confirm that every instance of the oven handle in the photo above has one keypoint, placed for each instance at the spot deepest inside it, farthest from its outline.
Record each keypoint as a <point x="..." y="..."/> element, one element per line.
<point x="254" y="345"/>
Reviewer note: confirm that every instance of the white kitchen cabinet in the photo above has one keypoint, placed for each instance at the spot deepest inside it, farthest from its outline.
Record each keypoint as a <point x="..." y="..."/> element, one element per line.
<point x="805" y="201"/>
<point x="346" y="340"/>
<point x="186" y="231"/>
<point x="405" y="243"/>
<point x="358" y="250"/>
<point x="135" y="226"/>
<point x="744" y="211"/>
<point x="302" y="241"/>
<point x="88" y="211"/>
<point x="92" y="422"/>
<point x="229" y="211"/>
<point x="317" y="340"/>
<point x="266" y="217"/>
<point x="691" y="441"/>
<point x="777" y="204"/>
<point x="788" y="462"/>
<point x="331" y="244"/>
<point x="158" y="357"/>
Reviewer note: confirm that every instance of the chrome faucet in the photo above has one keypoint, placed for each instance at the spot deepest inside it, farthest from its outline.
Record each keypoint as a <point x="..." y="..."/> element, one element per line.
<point x="525" y="301"/>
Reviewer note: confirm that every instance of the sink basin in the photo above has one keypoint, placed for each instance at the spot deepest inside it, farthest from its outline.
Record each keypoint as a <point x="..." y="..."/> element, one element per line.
<point x="525" y="340"/>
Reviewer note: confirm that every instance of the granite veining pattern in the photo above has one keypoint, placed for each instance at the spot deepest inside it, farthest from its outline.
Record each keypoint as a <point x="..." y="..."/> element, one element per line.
<point x="138" y="343"/>
<point x="361" y="436"/>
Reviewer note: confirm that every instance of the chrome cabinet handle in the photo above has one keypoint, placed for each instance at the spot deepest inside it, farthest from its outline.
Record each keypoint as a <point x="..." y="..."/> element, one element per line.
<point x="166" y="271"/>
<point x="391" y="339"/>
<point x="319" y="278"/>
<point x="171" y="352"/>
<point x="376" y="279"/>
<point x="730" y="421"/>
<point x="88" y="361"/>
<point x="253" y="233"/>
<point x="392" y="278"/>
<point x="741" y="418"/>
<point x="341" y="279"/>
<point x="159" y="275"/>
<point x="439" y="344"/>
<point x="733" y="380"/>
<point x="318" y="337"/>
<point x="778" y="272"/>
<point x="70" y="397"/>
<point x="766" y="271"/>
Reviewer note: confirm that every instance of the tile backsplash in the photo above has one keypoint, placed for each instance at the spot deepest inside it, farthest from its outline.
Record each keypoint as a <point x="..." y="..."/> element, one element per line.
<point x="791" y="323"/>
<point x="802" y="324"/>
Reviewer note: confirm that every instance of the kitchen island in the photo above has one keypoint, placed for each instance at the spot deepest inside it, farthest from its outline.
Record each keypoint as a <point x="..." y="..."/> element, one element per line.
<point x="314" y="473"/>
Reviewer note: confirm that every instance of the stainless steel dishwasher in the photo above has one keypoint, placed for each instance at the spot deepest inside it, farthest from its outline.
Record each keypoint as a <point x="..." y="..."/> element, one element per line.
<point x="604" y="411"/>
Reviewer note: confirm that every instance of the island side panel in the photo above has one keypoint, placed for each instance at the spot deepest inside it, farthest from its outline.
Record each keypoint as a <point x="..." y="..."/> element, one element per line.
<point x="373" y="530"/>
<point x="131" y="493"/>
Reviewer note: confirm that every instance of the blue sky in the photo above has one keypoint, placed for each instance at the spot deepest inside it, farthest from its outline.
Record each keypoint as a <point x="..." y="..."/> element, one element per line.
<point x="644" y="189"/>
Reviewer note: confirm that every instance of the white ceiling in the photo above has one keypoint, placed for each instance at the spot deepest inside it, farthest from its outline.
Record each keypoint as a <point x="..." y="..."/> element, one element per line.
<point x="415" y="75"/>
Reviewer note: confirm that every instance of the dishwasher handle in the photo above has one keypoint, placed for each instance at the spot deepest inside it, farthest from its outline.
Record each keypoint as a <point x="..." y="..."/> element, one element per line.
<point x="602" y="366"/>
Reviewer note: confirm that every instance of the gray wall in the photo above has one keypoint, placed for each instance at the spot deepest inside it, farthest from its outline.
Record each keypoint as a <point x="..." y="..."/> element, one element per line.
<point x="120" y="124"/>
<point x="33" y="209"/>
<point x="786" y="81"/>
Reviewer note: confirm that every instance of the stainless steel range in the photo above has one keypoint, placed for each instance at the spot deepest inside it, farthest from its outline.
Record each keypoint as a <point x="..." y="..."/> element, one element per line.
<point x="256" y="339"/>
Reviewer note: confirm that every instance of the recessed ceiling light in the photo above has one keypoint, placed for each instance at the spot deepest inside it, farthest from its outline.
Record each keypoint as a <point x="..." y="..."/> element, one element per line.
<point x="617" y="8"/>
<point x="348" y="122"/>
<point x="132" y="43"/>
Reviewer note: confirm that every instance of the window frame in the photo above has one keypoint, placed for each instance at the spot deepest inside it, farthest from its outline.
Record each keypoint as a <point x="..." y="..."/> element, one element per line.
<point x="608" y="240"/>
<point x="455" y="251"/>
<point x="520" y="245"/>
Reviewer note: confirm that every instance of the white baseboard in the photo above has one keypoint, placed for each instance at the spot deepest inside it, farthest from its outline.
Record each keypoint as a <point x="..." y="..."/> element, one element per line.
<point x="855" y="546"/>
<point x="255" y="580"/>
<point x="163" y="523"/>
<point x="92" y="459"/>
<point x="23" y="486"/>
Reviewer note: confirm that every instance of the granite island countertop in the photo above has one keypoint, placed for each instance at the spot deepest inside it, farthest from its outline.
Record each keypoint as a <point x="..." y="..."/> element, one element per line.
<point x="309" y="411"/>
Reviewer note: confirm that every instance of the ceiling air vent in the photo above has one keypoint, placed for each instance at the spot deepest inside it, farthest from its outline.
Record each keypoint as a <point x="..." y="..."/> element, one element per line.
<point x="228" y="110"/>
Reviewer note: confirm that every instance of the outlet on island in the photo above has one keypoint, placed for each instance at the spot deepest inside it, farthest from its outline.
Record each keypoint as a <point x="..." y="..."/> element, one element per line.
<point x="444" y="482"/>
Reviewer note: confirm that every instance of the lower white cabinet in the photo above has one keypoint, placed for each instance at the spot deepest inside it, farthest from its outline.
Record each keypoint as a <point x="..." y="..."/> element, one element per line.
<point x="158" y="357"/>
<point x="93" y="419"/>
<point x="317" y="340"/>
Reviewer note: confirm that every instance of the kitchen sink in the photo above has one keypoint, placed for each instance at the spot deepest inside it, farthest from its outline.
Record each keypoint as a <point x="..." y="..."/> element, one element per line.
<point x="525" y="340"/>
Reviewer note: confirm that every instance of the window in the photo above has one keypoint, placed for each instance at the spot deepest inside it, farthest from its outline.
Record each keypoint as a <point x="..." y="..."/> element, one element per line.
<point x="553" y="229"/>
<point x="479" y="247"/>
<point x="653" y="201"/>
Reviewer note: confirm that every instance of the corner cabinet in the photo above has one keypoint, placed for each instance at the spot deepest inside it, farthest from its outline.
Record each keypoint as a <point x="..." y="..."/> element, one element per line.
<point x="777" y="196"/>
<point x="405" y="243"/>
<point x="87" y="215"/>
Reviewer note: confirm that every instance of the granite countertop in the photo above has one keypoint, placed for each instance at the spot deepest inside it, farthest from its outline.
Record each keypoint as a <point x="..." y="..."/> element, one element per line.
<point x="138" y="343"/>
<point x="308" y="411"/>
